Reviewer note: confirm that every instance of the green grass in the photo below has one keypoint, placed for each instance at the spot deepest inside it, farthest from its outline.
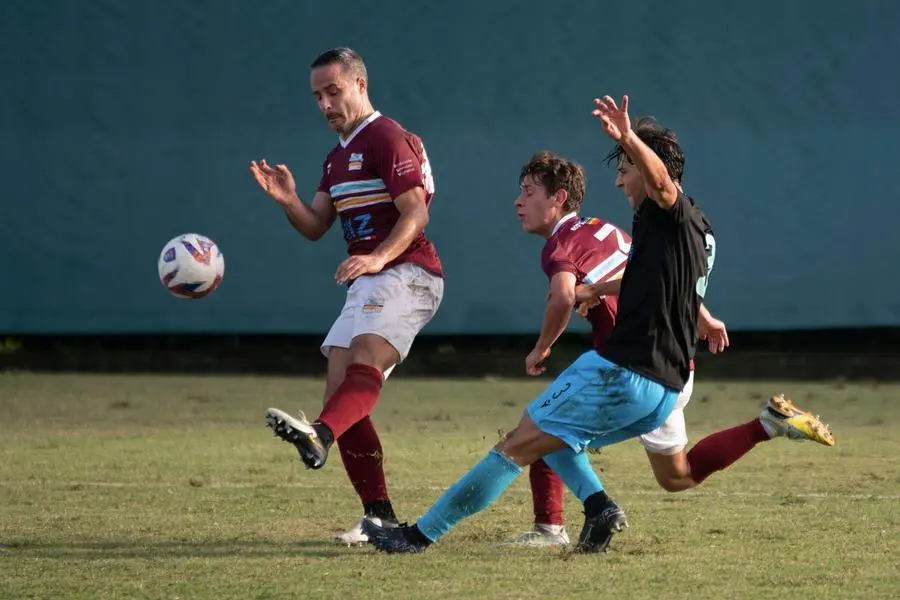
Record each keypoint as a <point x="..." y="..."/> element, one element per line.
<point x="171" y="487"/>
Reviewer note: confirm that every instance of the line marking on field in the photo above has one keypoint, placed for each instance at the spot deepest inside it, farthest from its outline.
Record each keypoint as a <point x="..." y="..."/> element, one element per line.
<point x="74" y="485"/>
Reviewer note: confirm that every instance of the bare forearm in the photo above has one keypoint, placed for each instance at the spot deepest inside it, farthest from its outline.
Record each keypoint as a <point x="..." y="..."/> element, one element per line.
<point x="585" y="293"/>
<point x="648" y="163"/>
<point x="704" y="314"/>
<point x="408" y="226"/>
<point x="704" y="319"/>
<point x="556" y="318"/>
<point x="304" y="219"/>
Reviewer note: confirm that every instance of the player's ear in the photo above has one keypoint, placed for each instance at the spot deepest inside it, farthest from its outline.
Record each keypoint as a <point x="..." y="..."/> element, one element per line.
<point x="363" y="84"/>
<point x="560" y="196"/>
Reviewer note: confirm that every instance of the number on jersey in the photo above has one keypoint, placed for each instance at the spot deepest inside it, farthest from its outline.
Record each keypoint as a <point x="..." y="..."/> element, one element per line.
<point x="611" y="264"/>
<point x="703" y="282"/>
<point x="427" y="175"/>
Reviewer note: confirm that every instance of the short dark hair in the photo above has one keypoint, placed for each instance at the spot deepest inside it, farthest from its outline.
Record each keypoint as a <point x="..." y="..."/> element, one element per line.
<point x="661" y="140"/>
<point x="348" y="58"/>
<point x="557" y="173"/>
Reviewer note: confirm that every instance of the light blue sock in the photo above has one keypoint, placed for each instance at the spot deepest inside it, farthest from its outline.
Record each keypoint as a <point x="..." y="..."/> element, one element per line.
<point x="576" y="472"/>
<point x="473" y="493"/>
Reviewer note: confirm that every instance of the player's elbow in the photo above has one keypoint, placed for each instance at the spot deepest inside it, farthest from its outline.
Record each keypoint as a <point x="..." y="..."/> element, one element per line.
<point x="413" y="208"/>
<point x="422" y="220"/>
<point x="664" y="194"/>
<point x="421" y="216"/>
<point x="658" y="182"/>
<point x="314" y="233"/>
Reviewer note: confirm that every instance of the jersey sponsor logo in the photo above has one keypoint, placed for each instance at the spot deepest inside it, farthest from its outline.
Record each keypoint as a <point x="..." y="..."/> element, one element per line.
<point x="358" y="228"/>
<point x="404" y="167"/>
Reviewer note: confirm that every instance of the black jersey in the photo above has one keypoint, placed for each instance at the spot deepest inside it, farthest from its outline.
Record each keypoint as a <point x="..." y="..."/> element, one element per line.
<point x="672" y="255"/>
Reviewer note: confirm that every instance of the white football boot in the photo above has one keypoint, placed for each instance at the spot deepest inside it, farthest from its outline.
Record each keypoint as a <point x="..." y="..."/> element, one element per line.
<point x="542" y="536"/>
<point x="355" y="535"/>
<point x="783" y="418"/>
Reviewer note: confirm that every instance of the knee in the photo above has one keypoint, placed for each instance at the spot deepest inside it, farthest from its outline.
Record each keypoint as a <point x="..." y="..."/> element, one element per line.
<point x="515" y="449"/>
<point x="674" y="484"/>
<point x="362" y="355"/>
<point x="670" y="485"/>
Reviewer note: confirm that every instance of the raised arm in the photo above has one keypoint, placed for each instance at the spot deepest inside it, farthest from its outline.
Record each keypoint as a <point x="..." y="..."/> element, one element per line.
<point x="617" y="125"/>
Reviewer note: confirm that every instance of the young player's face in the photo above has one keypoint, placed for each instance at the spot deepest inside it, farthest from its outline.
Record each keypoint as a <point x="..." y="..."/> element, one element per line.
<point x="340" y="96"/>
<point x="538" y="211"/>
<point x="629" y="180"/>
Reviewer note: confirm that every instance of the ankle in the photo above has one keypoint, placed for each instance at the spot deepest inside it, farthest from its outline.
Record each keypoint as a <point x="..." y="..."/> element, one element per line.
<point x="595" y="503"/>
<point x="324" y="434"/>
<point x="418" y="537"/>
<point x="381" y="509"/>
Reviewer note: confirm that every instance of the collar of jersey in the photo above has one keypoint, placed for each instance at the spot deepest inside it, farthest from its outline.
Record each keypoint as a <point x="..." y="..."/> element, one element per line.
<point x="559" y="223"/>
<point x="372" y="117"/>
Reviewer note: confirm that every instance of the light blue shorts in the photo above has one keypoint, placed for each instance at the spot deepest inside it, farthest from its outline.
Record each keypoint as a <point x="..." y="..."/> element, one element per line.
<point x="595" y="403"/>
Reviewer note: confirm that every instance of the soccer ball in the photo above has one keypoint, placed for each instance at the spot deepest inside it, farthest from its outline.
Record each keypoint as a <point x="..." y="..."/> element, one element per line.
<point x="191" y="266"/>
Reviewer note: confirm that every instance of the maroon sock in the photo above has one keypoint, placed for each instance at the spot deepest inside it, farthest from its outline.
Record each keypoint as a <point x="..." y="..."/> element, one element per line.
<point x="361" y="452"/>
<point x="547" y="491"/>
<point x="353" y="400"/>
<point x="721" y="449"/>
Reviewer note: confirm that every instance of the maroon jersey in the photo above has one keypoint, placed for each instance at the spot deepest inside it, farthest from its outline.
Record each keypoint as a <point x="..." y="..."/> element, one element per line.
<point x="364" y="173"/>
<point x="593" y="251"/>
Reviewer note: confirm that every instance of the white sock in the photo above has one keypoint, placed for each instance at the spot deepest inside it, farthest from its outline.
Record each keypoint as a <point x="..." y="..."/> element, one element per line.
<point x="551" y="529"/>
<point x="770" y="429"/>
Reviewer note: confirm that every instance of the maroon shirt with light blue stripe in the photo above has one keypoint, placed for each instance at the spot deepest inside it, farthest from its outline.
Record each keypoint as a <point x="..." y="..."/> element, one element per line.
<point x="592" y="250"/>
<point x="364" y="173"/>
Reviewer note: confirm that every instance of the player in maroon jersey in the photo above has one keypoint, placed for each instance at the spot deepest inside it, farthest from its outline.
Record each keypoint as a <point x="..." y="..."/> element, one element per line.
<point x="378" y="180"/>
<point x="596" y="253"/>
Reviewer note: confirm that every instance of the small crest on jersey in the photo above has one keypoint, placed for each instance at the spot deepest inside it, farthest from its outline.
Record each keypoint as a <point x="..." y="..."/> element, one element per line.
<point x="356" y="161"/>
<point x="588" y="221"/>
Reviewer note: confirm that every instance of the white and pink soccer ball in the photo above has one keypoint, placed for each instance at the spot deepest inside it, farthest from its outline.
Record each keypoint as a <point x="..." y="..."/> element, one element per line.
<point x="191" y="266"/>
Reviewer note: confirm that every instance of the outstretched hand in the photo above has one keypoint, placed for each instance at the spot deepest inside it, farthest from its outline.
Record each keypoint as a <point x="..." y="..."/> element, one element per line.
<point x="277" y="182"/>
<point x="615" y="120"/>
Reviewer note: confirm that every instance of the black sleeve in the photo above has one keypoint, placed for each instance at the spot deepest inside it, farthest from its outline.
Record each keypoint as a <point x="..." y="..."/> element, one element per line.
<point x="681" y="210"/>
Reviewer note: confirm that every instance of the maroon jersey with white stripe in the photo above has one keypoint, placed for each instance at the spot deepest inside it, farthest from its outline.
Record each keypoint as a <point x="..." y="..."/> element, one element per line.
<point x="593" y="251"/>
<point x="364" y="173"/>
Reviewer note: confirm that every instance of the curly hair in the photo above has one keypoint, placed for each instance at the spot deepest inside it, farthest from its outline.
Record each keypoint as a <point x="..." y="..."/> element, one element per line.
<point x="555" y="173"/>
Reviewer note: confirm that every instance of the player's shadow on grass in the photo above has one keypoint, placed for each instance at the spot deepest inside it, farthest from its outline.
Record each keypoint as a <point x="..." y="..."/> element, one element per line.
<point x="107" y="549"/>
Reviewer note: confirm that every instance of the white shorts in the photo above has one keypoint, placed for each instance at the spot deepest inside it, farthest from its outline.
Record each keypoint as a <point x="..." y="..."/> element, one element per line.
<point x="671" y="437"/>
<point x="394" y="304"/>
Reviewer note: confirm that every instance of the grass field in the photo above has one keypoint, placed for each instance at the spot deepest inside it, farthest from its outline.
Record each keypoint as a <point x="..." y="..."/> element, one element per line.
<point x="170" y="487"/>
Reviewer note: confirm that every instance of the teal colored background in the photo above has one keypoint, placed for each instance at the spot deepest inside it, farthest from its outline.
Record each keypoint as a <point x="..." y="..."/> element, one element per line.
<point x="126" y="123"/>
